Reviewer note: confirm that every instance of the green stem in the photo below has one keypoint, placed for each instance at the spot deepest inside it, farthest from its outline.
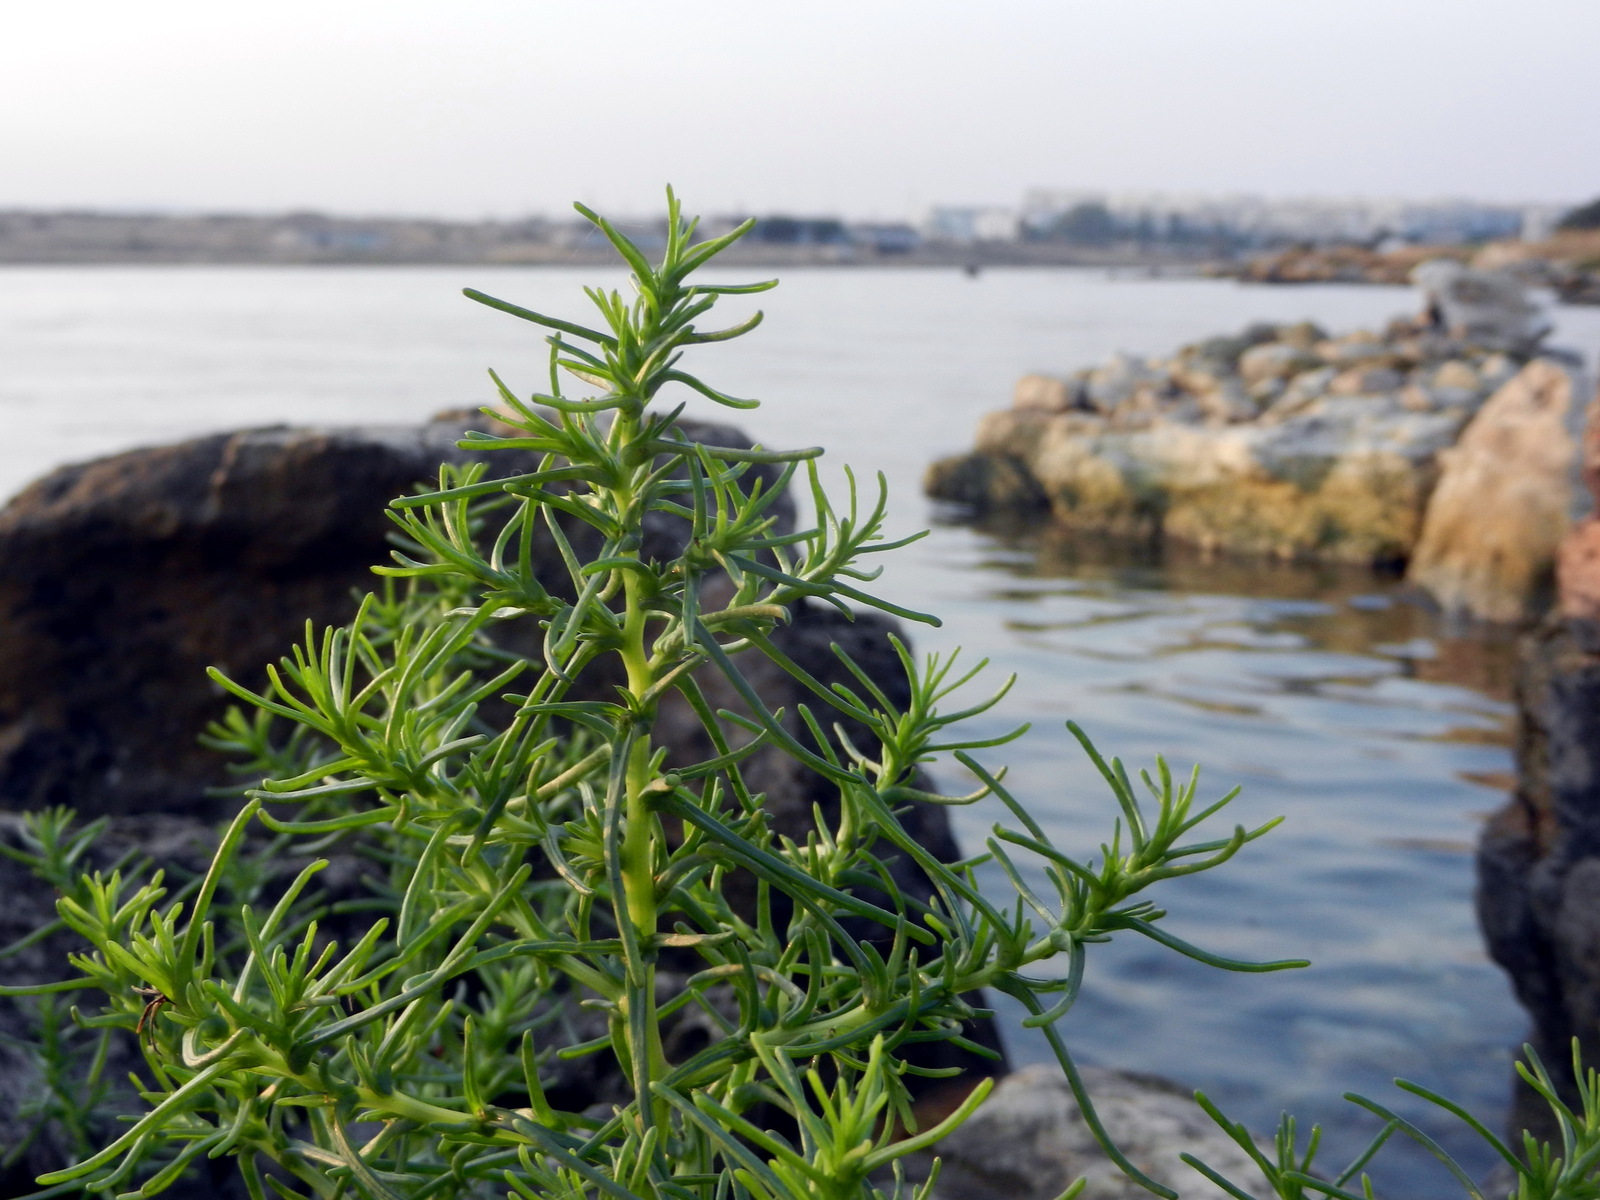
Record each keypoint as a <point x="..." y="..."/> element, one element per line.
<point x="638" y="839"/>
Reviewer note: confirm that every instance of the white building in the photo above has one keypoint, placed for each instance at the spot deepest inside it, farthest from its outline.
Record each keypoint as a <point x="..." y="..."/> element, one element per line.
<point x="1259" y="219"/>
<point x="964" y="225"/>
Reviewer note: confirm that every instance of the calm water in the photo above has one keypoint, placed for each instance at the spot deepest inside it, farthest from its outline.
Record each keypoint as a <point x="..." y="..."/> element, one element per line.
<point x="1333" y="700"/>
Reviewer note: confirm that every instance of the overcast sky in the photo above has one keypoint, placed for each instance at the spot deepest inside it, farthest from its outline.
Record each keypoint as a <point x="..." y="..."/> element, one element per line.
<point x="867" y="107"/>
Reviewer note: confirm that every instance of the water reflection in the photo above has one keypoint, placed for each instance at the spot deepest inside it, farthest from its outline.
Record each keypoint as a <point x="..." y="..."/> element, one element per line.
<point x="1337" y="700"/>
<point x="1337" y="607"/>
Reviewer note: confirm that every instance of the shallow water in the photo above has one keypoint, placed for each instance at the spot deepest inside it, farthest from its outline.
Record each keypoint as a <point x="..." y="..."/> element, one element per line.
<point x="1327" y="694"/>
<point x="1335" y="703"/>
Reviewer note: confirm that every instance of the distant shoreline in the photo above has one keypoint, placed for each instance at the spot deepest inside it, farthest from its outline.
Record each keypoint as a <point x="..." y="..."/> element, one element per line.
<point x="309" y="239"/>
<point x="972" y="259"/>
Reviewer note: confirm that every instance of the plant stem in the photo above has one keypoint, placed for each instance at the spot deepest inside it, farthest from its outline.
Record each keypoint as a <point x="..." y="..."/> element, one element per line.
<point x="638" y="840"/>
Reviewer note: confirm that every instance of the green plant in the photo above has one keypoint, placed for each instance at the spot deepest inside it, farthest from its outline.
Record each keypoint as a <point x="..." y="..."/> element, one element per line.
<point x="68" y="1062"/>
<point x="1570" y="1171"/>
<point x="549" y="880"/>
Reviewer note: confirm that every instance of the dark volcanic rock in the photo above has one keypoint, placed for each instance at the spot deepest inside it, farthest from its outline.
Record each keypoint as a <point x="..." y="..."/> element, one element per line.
<point x="123" y="579"/>
<point x="1538" y="864"/>
<point x="1539" y="857"/>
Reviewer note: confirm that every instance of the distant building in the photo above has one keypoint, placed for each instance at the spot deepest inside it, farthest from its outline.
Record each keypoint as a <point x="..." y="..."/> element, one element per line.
<point x="1245" y="221"/>
<point x="800" y="231"/>
<point x="1539" y="221"/>
<point x="891" y="238"/>
<point x="967" y="225"/>
<point x="581" y="235"/>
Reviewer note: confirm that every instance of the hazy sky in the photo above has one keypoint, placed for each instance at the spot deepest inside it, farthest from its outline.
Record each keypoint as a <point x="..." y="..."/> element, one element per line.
<point x="871" y="107"/>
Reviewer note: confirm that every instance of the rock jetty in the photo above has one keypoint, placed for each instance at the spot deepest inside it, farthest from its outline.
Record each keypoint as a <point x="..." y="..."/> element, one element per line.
<point x="1289" y="441"/>
<point x="1568" y="263"/>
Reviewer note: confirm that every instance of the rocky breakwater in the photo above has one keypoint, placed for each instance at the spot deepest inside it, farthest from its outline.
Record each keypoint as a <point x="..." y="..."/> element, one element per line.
<point x="1285" y="440"/>
<point x="1568" y="263"/>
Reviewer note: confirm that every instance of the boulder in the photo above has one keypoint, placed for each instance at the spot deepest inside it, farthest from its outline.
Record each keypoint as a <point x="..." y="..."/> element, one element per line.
<point x="1538" y="859"/>
<point x="1354" y="350"/>
<point x="1043" y="393"/>
<point x="1507" y="493"/>
<point x="1274" y="360"/>
<point x="985" y="480"/>
<point x="1312" y="477"/>
<point x="1366" y="381"/>
<point x="124" y="578"/>
<point x="1115" y="383"/>
<point x="1457" y="374"/>
<point x="1029" y="1141"/>
<point x="1486" y="308"/>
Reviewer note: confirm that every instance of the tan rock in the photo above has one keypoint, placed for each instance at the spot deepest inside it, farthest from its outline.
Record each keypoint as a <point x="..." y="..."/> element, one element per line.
<point x="1457" y="374"/>
<point x="1226" y="403"/>
<point x="1309" y="385"/>
<point x="1197" y="377"/>
<point x="1141" y="409"/>
<point x="1366" y="509"/>
<point x="1279" y="440"/>
<point x="1498" y="368"/>
<point x="1088" y="490"/>
<point x="1352" y="349"/>
<point x="1366" y="381"/>
<point x="1590" y="449"/>
<point x="1012" y="433"/>
<point x="1416" y="398"/>
<point x="1273" y="361"/>
<point x="1302" y="336"/>
<point x="1111" y="384"/>
<point x="1042" y="393"/>
<point x="1505" y="499"/>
